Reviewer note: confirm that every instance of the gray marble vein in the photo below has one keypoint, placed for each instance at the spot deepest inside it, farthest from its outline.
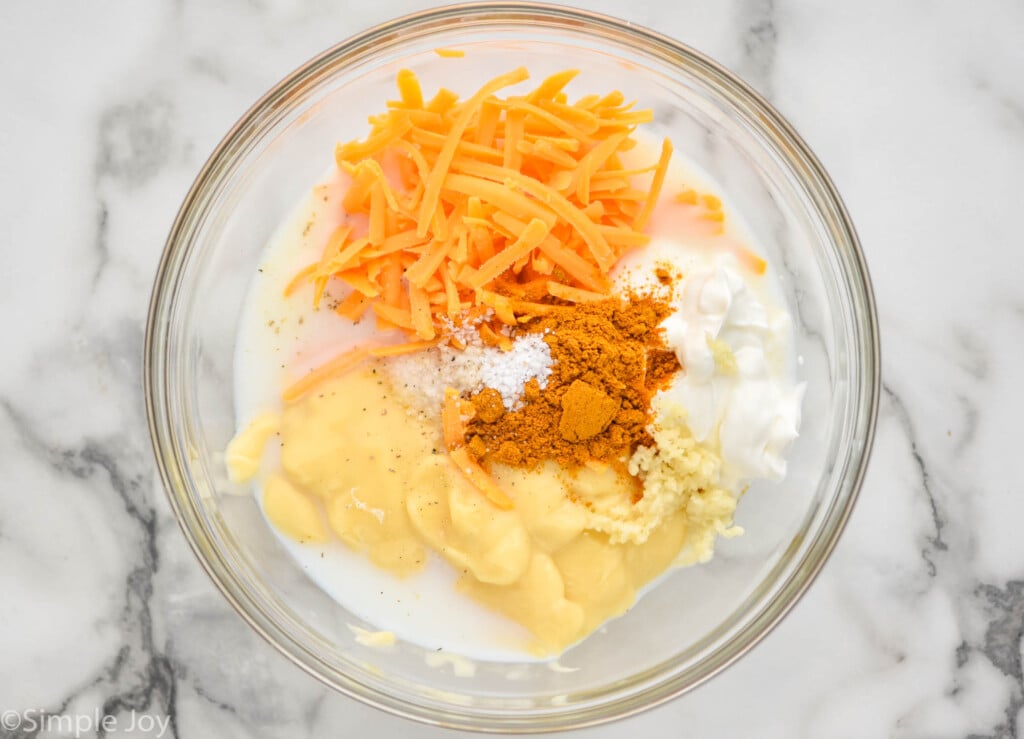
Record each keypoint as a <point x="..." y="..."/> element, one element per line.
<point x="914" y="629"/>
<point x="934" y="539"/>
<point x="759" y="40"/>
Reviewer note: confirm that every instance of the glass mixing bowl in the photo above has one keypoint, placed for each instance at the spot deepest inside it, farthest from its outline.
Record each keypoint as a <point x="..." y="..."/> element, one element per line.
<point x="698" y="620"/>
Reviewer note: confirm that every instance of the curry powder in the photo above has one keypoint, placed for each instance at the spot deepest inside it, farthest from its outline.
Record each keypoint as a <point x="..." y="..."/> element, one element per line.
<point x="609" y="358"/>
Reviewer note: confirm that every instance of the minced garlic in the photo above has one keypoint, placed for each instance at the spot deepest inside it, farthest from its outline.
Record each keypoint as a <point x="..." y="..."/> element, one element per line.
<point x="680" y="473"/>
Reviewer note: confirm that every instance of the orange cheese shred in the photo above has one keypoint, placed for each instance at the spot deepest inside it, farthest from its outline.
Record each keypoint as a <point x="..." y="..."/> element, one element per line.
<point x="409" y="89"/>
<point x="299" y="279"/>
<point x="478" y="478"/>
<point x="354" y="306"/>
<point x="452" y="426"/>
<point x="574" y="294"/>
<point x="344" y="362"/>
<point x="528" y="240"/>
<point x="419" y="309"/>
<point x="640" y="222"/>
<point x="553" y="85"/>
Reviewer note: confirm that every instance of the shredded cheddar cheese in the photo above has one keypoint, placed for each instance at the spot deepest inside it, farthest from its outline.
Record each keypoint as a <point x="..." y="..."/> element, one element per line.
<point x="454" y="203"/>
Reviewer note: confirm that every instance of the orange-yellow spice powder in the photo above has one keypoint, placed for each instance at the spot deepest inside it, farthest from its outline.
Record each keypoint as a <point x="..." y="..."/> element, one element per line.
<point x="609" y="358"/>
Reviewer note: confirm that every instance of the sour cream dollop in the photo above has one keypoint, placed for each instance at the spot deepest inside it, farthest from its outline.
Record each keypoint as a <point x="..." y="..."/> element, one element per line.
<point x="734" y="384"/>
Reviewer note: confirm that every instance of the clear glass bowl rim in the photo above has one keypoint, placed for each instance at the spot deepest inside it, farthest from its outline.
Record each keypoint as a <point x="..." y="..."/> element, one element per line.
<point x="171" y="461"/>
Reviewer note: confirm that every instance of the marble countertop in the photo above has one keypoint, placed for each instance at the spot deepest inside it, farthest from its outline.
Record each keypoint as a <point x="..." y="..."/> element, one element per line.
<point x="912" y="630"/>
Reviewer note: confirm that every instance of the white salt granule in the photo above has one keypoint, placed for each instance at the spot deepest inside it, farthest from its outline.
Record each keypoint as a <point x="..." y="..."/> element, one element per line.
<point x="422" y="378"/>
<point x="507" y="372"/>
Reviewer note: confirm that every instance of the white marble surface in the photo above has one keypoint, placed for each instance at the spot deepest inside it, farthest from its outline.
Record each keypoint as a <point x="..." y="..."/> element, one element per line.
<point x="916" y="109"/>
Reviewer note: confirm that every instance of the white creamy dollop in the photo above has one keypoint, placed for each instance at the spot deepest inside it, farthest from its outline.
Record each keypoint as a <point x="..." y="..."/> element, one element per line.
<point x="734" y="385"/>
